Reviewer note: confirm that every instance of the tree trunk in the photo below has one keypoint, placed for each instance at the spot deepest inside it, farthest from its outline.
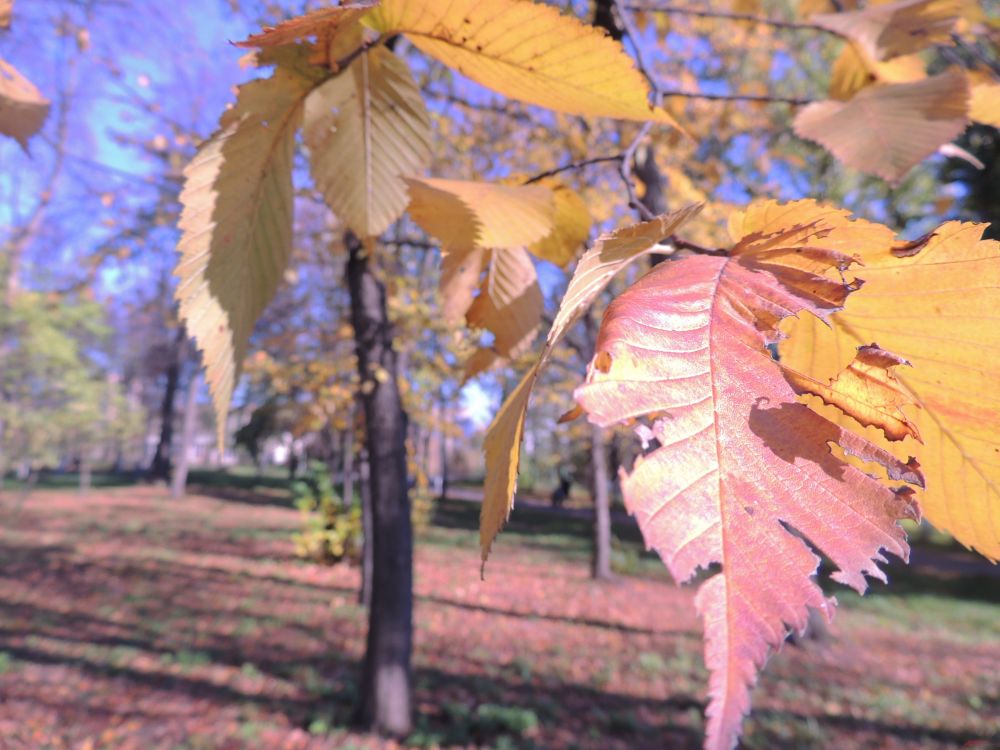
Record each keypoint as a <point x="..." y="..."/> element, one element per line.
<point x="178" y="482"/>
<point x="367" y="534"/>
<point x="601" y="491"/>
<point x="385" y="704"/>
<point x="159" y="469"/>
<point x="347" y="460"/>
<point x="85" y="473"/>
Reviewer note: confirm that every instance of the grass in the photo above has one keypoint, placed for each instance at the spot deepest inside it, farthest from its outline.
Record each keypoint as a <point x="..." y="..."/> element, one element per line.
<point x="123" y="615"/>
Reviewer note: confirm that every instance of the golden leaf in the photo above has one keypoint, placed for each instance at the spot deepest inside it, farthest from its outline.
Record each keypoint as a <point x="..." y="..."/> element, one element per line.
<point x="527" y="51"/>
<point x="933" y="306"/>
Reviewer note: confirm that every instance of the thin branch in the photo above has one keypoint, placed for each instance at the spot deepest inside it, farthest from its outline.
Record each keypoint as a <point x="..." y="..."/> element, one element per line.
<point x="574" y="166"/>
<point x="625" y="172"/>
<point x="744" y="17"/>
<point x="763" y="98"/>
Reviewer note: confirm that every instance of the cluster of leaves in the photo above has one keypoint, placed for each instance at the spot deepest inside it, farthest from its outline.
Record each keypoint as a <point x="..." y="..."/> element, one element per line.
<point x="739" y="470"/>
<point x="331" y="528"/>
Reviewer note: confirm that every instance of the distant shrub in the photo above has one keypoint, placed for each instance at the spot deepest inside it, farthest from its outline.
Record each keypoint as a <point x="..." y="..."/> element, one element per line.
<point x="331" y="530"/>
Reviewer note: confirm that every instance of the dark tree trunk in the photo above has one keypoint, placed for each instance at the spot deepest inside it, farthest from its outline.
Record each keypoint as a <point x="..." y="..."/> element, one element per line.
<point x="385" y="704"/>
<point x="367" y="534"/>
<point x="178" y="482"/>
<point x="159" y="469"/>
<point x="347" y="459"/>
<point x="601" y="491"/>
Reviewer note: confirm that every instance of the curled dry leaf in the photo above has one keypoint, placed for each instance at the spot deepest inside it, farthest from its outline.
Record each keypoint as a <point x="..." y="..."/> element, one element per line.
<point x="887" y="129"/>
<point x="725" y="481"/>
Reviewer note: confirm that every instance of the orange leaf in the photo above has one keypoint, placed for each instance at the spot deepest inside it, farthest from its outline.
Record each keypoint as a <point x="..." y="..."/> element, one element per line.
<point x="737" y="461"/>
<point x="866" y="390"/>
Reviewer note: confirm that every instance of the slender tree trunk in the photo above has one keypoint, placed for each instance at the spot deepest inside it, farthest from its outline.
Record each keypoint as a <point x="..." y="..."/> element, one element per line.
<point x="159" y="469"/>
<point x="178" y="483"/>
<point x="85" y="473"/>
<point x="386" y="680"/>
<point x="601" y="490"/>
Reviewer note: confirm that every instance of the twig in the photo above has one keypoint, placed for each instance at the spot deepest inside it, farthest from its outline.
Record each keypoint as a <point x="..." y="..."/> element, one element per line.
<point x="745" y="17"/>
<point x="625" y="172"/>
<point x="764" y="98"/>
<point x="574" y="165"/>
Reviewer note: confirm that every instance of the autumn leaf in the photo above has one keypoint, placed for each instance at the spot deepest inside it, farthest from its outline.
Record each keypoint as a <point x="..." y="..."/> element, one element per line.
<point x="893" y="29"/>
<point x="366" y="130"/>
<point x="887" y="129"/>
<point x="23" y="109"/>
<point x="736" y="464"/>
<point x="6" y="9"/>
<point x="509" y="303"/>
<point x="571" y="226"/>
<point x="460" y="278"/>
<point x="236" y="226"/>
<point x="932" y="302"/>
<point x="854" y="70"/>
<point x="984" y="103"/>
<point x="866" y="390"/>
<point x="610" y="254"/>
<point x="527" y="51"/>
<point x="318" y="24"/>
<point x="467" y="213"/>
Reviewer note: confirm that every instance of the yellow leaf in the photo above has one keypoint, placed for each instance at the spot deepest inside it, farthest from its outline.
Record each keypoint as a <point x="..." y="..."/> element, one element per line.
<point x="510" y="302"/>
<point x="23" y="109"/>
<point x="889" y="128"/>
<point x="892" y="29"/>
<point x="934" y="307"/>
<point x="460" y="272"/>
<point x="984" y="105"/>
<point x="571" y="226"/>
<point x="366" y="130"/>
<point x="526" y="51"/>
<point x="236" y="226"/>
<point x="465" y="213"/>
<point x="854" y="70"/>
<point x="610" y="254"/>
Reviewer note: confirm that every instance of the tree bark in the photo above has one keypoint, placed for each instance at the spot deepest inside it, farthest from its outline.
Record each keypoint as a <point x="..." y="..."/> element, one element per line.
<point x="367" y="533"/>
<point x="601" y="491"/>
<point x="385" y="705"/>
<point x="347" y="460"/>
<point x="85" y="473"/>
<point x="159" y="468"/>
<point x="178" y="483"/>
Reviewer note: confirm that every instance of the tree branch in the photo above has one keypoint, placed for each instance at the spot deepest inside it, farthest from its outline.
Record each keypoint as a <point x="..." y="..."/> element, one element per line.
<point x="574" y="165"/>
<point x="743" y="17"/>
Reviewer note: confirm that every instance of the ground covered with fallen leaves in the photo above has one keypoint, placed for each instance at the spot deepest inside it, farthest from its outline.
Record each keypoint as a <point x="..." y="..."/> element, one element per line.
<point x="128" y="620"/>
